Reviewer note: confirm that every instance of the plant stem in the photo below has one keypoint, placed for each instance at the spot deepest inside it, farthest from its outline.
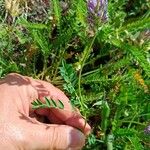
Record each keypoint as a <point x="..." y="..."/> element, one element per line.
<point x="141" y="124"/>
<point x="131" y="121"/>
<point x="86" y="53"/>
<point x="61" y="54"/>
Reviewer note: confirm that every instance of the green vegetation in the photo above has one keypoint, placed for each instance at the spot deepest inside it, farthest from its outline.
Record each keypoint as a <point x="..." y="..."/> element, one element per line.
<point x="104" y="69"/>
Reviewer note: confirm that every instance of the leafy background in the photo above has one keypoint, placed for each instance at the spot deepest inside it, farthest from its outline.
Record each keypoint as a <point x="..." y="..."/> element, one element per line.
<point x="104" y="71"/>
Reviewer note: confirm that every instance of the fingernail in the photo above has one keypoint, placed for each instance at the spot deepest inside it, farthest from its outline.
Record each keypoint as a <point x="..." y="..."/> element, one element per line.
<point x="77" y="140"/>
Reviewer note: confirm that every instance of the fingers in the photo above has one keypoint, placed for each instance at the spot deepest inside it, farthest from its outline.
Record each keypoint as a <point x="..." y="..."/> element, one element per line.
<point x="74" y="119"/>
<point x="43" y="89"/>
<point x="60" y="116"/>
<point x="58" y="137"/>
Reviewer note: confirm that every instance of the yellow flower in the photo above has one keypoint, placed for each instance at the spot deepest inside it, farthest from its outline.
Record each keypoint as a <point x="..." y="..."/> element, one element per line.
<point x="140" y="80"/>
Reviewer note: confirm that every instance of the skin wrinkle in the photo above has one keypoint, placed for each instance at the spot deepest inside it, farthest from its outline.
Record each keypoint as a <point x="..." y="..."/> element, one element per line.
<point x="56" y="139"/>
<point x="10" y="131"/>
<point x="6" y="141"/>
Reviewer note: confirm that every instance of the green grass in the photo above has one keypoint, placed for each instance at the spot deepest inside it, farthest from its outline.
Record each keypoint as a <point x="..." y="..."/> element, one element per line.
<point x="104" y="70"/>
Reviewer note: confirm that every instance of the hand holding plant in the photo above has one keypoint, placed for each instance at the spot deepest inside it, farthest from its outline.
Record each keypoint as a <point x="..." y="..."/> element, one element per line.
<point x="19" y="127"/>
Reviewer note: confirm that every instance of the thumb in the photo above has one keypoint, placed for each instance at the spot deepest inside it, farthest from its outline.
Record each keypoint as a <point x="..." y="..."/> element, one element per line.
<point x="58" y="137"/>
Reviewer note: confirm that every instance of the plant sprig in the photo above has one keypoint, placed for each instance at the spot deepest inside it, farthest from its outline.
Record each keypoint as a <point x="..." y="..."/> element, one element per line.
<point x="49" y="103"/>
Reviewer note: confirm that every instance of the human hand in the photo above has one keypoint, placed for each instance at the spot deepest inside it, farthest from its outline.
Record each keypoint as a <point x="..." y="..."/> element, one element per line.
<point x="19" y="129"/>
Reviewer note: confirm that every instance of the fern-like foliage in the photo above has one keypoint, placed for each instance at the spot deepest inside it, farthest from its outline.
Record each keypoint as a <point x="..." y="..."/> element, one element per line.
<point x="57" y="12"/>
<point x="49" y="103"/>
<point x="69" y="75"/>
<point x="136" y="52"/>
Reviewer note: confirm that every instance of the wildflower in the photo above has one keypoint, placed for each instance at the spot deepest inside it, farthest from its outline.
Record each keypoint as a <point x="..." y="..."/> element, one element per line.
<point x="97" y="10"/>
<point x="147" y="130"/>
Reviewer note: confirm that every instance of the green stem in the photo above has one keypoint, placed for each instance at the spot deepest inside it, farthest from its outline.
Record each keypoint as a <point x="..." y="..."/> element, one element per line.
<point x="148" y="114"/>
<point x="110" y="139"/>
<point x="86" y="53"/>
<point x="131" y="121"/>
<point x="57" y="66"/>
<point x="141" y="124"/>
<point x="44" y="68"/>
